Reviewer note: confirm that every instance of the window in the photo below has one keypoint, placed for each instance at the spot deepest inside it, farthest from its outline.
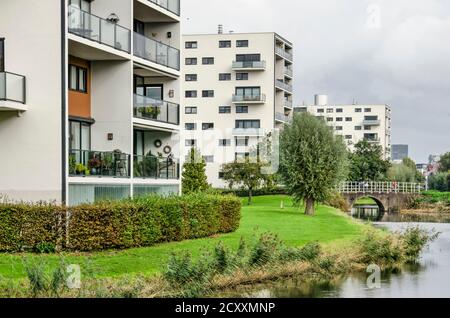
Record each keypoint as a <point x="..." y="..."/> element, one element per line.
<point x="242" y="142"/>
<point x="190" y="110"/>
<point x="208" y="93"/>
<point x="241" y="76"/>
<point x="191" y="61"/>
<point x="248" y="57"/>
<point x="358" y="110"/>
<point x="370" y="117"/>
<point x="191" y="45"/>
<point x="190" y="126"/>
<point x="80" y="137"/>
<point x="84" y="5"/>
<point x="348" y="119"/>
<point x="249" y="92"/>
<point x="224" y="44"/>
<point x="242" y="43"/>
<point x="330" y="110"/>
<point x="221" y="175"/>
<point x="348" y="137"/>
<point x="358" y="128"/>
<point x="2" y="55"/>
<point x="339" y="110"/>
<point x="367" y="110"/>
<point x="241" y="109"/>
<point x="191" y="77"/>
<point x="208" y="159"/>
<point x="339" y="128"/>
<point x="208" y="61"/>
<point x="224" y="77"/>
<point x="339" y="119"/>
<point x="248" y="124"/>
<point x="207" y="126"/>
<point x="224" y="109"/>
<point x="321" y="111"/>
<point x="191" y="94"/>
<point x="78" y="79"/>
<point x="329" y="119"/>
<point x="190" y="142"/>
<point x="367" y="127"/>
<point x="242" y="156"/>
<point x="224" y="142"/>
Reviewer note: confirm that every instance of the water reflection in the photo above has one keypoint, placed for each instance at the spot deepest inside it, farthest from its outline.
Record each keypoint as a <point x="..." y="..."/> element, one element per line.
<point x="367" y="212"/>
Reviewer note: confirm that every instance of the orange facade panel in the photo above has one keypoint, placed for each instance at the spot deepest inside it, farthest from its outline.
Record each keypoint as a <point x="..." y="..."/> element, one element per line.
<point x="80" y="101"/>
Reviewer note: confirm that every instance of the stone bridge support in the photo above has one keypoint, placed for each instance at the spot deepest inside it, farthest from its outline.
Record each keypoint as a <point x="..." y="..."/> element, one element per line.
<point x="387" y="202"/>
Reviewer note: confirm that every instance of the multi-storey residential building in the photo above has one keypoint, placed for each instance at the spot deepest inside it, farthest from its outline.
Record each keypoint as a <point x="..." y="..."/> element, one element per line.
<point x="237" y="88"/>
<point x="399" y="152"/>
<point x="89" y="99"/>
<point x="355" y="122"/>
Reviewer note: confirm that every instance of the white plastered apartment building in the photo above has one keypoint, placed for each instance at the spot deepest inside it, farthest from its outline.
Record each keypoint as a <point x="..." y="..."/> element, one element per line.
<point x="237" y="88"/>
<point x="355" y="122"/>
<point x="89" y="99"/>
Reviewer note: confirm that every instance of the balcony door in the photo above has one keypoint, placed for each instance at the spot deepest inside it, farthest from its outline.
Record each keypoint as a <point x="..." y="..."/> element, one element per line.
<point x="155" y="91"/>
<point x="80" y="140"/>
<point x="248" y="92"/>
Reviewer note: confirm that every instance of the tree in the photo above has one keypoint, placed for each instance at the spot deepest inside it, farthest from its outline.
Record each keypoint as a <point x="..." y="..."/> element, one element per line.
<point x="412" y="165"/>
<point x="367" y="163"/>
<point x="246" y="174"/>
<point x="312" y="160"/>
<point x="439" y="182"/>
<point x="402" y="173"/>
<point x="194" y="177"/>
<point x="444" y="163"/>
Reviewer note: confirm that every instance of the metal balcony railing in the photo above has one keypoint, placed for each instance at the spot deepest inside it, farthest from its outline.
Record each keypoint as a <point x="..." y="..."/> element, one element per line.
<point x="97" y="29"/>
<point x="12" y="87"/>
<point x="151" y="167"/>
<point x="259" y="65"/>
<point x="90" y="163"/>
<point x="156" y="110"/>
<point x="170" y="5"/>
<point x="257" y="98"/>
<point x="156" y="52"/>
<point x="282" y="85"/>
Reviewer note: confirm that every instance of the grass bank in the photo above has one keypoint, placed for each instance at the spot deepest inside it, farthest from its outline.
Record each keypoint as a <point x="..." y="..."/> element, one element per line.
<point x="331" y="228"/>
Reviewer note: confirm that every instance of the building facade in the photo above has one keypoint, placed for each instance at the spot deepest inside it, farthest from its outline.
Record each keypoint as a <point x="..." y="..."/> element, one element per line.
<point x="355" y="122"/>
<point x="237" y="89"/>
<point x="399" y="152"/>
<point x="89" y="99"/>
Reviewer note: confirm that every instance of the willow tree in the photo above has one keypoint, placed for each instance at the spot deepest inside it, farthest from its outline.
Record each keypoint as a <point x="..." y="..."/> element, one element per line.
<point x="312" y="160"/>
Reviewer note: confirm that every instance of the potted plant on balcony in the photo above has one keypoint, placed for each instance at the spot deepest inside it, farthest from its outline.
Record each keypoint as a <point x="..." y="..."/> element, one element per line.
<point x="81" y="170"/>
<point x="150" y="112"/>
<point x="72" y="165"/>
<point x="94" y="165"/>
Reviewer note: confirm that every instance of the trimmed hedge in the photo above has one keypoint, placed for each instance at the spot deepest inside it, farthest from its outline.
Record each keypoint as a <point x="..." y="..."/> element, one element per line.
<point x="116" y="225"/>
<point x="256" y="193"/>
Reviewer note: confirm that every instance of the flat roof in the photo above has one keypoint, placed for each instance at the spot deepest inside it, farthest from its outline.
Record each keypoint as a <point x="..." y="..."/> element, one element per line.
<point x="243" y="33"/>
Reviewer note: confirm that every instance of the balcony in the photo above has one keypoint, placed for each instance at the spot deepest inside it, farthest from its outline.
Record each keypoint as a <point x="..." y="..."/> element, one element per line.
<point x="372" y="139"/>
<point x="249" y="132"/>
<point x="280" y="117"/>
<point x="150" y="167"/>
<point x="283" y="86"/>
<point x="288" y="72"/>
<point x="284" y="54"/>
<point x="156" y="110"/>
<point x="249" y="99"/>
<point x="249" y="66"/>
<point x="156" y="52"/>
<point x="91" y="27"/>
<point x="88" y="163"/>
<point x="288" y="104"/>
<point x="170" y="5"/>
<point x="371" y="122"/>
<point x="12" y="91"/>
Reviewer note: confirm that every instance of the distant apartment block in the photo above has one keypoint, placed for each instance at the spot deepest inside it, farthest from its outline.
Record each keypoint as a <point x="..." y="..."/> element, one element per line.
<point x="355" y="122"/>
<point x="399" y="152"/>
<point x="89" y="99"/>
<point x="237" y="88"/>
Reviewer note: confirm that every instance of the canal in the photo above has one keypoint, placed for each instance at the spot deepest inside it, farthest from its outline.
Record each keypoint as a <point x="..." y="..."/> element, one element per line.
<point x="429" y="278"/>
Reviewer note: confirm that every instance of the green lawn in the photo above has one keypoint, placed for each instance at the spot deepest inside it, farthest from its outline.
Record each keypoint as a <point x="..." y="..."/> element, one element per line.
<point x="366" y="201"/>
<point x="328" y="226"/>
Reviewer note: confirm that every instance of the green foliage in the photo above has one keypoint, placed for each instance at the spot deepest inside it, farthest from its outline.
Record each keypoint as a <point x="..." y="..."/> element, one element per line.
<point x="444" y="163"/>
<point x="194" y="177"/>
<point x="116" y="225"/>
<point x="242" y="193"/>
<point x="264" y="250"/>
<point x="42" y="282"/>
<point x="402" y="173"/>
<point x="414" y="241"/>
<point x="367" y="163"/>
<point x="337" y="201"/>
<point x="313" y="160"/>
<point x="439" y="182"/>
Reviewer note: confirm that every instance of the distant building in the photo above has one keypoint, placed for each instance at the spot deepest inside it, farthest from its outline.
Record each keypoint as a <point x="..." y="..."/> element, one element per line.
<point x="355" y="122"/>
<point x="399" y="152"/>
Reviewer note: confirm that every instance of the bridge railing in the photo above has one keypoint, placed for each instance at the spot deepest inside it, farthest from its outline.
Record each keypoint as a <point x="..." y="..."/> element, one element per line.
<point x="381" y="187"/>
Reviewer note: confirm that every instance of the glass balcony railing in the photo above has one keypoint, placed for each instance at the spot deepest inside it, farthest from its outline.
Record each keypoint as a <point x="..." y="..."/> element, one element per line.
<point x="260" y="65"/>
<point x="156" y="110"/>
<point x="282" y="117"/>
<point x="288" y="103"/>
<point x="151" y="167"/>
<point x="283" y="53"/>
<point x="249" y="98"/>
<point x="89" y="163"/>
<point x="288" y="72"/>
<point x="12" y="87"/>
<point x="171" y="5"/>
<point x="156" y="52"/>
<point x="283" y="85"/>
<point x="96" y="29"/>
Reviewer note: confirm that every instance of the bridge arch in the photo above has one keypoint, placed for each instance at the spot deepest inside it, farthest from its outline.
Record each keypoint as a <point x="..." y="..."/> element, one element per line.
<point x="378" y="201"/>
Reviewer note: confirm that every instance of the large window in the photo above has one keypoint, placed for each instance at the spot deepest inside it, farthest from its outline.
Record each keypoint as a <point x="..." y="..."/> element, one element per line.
<point x="78" y="77"/>
<point x="155" y="91"/>
<point x="248" y="57"/>
<point x="248" y="91"/>
<point x="84" y="5"/>
<point x="247" y="124"/>
<point x="2" y="55"/>
<point x="80" y="135"/>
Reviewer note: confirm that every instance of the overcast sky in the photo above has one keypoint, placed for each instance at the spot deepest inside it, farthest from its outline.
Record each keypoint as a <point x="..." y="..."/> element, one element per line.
<point x="377" y="52"/>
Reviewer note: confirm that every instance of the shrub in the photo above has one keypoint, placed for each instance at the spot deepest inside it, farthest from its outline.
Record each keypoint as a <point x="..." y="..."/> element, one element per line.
<point x="116" y="225"/>
<point x="337" y="201"/>
<point x="256" y="192"/>
<point x="375" y="248"/>
<point x="265" y="249"/>
<point x="414" y="241"/>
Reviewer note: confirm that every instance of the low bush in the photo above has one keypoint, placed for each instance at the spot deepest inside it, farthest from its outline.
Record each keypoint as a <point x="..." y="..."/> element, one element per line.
<point x="256" y="193"/>
<point x="124" y="224"/>
<point x="337" y="201"/>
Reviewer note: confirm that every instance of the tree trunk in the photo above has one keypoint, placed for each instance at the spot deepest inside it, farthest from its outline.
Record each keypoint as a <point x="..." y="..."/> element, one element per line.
<point x="250" y="196"/>
<point x="309" y="206"/>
